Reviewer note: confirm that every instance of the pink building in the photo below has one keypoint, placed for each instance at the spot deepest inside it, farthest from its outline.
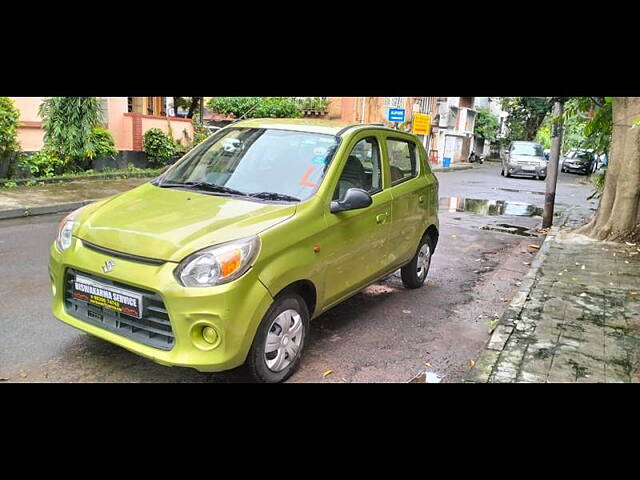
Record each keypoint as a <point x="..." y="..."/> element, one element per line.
<point x="127" y="118"/>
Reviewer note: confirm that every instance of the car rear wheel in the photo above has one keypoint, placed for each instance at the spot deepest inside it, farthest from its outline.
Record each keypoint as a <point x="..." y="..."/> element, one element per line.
<point x="502" y="172"/>
<point x="277" y="347"/>
<point x="415" y="272"/>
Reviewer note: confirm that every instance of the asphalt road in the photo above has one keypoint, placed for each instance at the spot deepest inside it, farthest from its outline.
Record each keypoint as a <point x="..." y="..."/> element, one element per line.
<point x="384" y="334"/>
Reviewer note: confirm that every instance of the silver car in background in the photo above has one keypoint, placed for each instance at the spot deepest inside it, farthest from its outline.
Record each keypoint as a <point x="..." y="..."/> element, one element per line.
<point x="524" y="158"/>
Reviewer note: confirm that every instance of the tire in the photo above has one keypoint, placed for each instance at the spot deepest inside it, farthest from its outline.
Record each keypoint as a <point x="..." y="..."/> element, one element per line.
<point x="543" y="178"/>
<point x="502" y="172"/>
<point x="289" y="308"/>
<point x="415" y="272"/>
<point x="507" y="174"/>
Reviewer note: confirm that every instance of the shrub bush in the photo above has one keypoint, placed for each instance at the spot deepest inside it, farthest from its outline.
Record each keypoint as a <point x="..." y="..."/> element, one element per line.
<point x="256" y="107"/>
<point x="9" y="117"/>
<point x="103" y="143"/>
<point x="200" y="133"/>
<point x="317" y="104"/>
<point x="42" y="164"/>
<point x="158" y="146"/>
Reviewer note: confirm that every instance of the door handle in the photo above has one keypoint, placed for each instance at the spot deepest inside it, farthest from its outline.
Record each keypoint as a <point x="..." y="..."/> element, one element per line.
<point x="421" y="198"/>
<point x="381" y="218"/>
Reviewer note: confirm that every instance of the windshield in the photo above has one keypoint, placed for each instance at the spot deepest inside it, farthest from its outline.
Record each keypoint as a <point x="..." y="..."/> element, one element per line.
<point x="527" y="149"/>
<point x="579" y="155"/>
<point x="257" y="160"/>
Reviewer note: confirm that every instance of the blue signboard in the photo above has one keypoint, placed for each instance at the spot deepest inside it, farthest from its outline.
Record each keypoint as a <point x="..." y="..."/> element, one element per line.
<point x="395" y="114"/>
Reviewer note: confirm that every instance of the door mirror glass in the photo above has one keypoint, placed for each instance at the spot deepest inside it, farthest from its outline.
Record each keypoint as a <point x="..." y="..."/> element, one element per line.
<point x="354" y="199"/>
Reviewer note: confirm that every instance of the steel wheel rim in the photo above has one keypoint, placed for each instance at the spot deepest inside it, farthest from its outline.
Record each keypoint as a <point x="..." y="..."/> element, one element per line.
<point x="284" y="339"/>
<point x="424" y="259"/>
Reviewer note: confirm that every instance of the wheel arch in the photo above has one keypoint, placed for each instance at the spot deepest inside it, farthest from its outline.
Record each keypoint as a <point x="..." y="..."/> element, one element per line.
<point x="306" y="289"/>
<point x="434" y="235"/>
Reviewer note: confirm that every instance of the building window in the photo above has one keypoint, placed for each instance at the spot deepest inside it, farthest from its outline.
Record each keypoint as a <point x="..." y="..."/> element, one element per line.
<point x="423" y="105"/>
<point x="394" y="102"/>
<point x="150" y="102"/>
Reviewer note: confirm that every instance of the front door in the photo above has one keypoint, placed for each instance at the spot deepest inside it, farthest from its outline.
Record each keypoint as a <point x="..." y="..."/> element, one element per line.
<point x="356" y="241"/>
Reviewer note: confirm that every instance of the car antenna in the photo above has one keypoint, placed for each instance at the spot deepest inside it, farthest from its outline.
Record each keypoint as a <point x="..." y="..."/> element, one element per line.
<point x="245" y="113"/>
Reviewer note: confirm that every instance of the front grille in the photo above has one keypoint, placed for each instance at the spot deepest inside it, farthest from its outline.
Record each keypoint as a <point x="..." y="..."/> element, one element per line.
<point x="126" y="256"/>
<point x="153" y="329"/>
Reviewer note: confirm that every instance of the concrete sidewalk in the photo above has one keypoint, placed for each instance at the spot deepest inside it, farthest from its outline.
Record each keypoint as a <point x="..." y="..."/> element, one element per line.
<point x="60" y="197"/>
<point x="576" y="317"/>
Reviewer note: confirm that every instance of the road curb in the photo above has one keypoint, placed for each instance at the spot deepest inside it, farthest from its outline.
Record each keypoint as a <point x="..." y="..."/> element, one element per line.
<point x="508" y="323"/>
<point x="452" y="168"/>
<point x="43" y="210"/>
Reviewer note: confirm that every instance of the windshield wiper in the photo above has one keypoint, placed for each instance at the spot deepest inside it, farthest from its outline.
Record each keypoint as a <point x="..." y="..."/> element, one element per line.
<point x="274" y="196"/>
<point x="209" y="187"/>
<point x="212" y="187"/>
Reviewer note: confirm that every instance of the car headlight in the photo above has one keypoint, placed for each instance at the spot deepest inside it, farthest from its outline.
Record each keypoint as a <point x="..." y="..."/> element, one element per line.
<point x="219" y="264"/>
<point x="65" y="230"/>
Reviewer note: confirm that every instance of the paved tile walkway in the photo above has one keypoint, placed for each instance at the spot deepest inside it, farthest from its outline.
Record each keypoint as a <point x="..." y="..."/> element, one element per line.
<point x="575" y="319"/>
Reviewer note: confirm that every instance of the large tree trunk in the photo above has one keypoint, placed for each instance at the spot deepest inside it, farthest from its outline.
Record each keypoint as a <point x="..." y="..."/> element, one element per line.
<point x="618" y="215"/>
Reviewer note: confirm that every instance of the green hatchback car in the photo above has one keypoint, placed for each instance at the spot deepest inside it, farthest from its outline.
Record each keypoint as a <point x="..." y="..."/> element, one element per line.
<point x="225" y="258"/>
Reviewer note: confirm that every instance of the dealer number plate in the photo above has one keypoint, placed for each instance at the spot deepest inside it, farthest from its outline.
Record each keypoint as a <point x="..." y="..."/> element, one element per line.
<point x="107" y="296"/>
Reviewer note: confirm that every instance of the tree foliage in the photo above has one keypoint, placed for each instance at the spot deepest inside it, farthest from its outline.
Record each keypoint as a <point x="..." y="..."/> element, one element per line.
<point x="487" y="125"/>
<point x="256" y="107"/>
<point x="526" y="114"/>
<point x="69" y="124"/>
<point x="9" y="117"/>
<point x="595" y="114"/>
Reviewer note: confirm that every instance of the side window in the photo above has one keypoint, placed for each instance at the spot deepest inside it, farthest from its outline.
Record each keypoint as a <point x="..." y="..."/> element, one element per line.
<point x="362" y="169"/>
<point x="402" y="160"/>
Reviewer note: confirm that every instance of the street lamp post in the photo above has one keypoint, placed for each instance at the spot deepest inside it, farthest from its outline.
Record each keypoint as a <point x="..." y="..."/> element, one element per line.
<point x="552" y="166"/>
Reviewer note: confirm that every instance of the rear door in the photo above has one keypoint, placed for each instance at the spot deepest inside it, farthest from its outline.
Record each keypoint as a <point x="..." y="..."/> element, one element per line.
<point x="410" y="197"/>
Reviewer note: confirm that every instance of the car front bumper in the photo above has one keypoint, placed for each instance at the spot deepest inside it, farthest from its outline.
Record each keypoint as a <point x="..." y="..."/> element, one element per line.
<point x="532" y="170"/>
<point x="576" y="168"/>
<point x="234" y="310"/>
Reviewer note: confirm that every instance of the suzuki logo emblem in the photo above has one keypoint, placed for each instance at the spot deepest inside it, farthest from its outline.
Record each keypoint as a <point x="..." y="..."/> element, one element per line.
<point x="108" y="266"/>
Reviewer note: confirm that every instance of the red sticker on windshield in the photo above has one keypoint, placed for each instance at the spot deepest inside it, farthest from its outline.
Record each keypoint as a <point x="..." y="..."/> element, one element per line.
<point x="305" y="179"/>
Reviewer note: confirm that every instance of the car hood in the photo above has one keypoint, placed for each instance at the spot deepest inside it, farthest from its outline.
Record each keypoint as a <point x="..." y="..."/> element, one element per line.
<point x="527" y="158"/>
<point x="170" y="224"/>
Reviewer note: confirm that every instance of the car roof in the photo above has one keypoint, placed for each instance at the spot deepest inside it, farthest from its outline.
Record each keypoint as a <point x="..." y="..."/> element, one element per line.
<point x="327" y="127"/>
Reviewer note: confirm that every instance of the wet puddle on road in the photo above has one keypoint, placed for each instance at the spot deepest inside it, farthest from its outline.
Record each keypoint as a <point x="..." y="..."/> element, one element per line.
<point x="488" y="207"/>
<point x="512" y="229"/>
<point x="515" y="190"/>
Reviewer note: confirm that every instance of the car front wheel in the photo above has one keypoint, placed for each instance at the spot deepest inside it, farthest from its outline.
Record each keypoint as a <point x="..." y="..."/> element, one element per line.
<point x="415" y="272"/>
<point x="278" y="344"/>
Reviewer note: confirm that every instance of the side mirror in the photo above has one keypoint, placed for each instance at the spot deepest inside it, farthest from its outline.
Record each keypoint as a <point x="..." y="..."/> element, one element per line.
<point x="354" y="199"/>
